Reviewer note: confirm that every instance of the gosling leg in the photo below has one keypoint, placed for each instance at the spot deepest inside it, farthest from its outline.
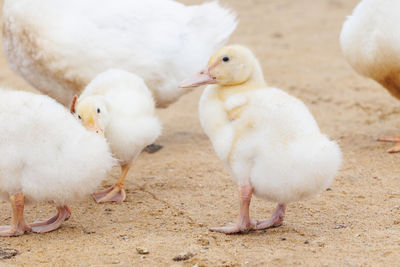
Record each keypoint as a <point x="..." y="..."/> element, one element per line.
<point x="393" y="139"/>
<point x="276" y="219"/>
<point x="244" y="223"/>
<point x="63" y="214"/>
<point x="116" y="193"/>
<point x="18" y="225"/>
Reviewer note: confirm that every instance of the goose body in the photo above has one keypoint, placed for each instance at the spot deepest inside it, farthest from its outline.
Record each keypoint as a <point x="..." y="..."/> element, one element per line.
<point x="46" y="154"/>
<point x="370" y="41"/>
<point x="60" y="46"/>
<point x="120" y="105"/>
<point x="275" y="145"/>
<point x="267" y="139"/>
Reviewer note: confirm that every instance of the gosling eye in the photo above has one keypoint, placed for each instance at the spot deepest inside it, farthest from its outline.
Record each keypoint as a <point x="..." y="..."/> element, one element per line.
<point x="225" y="59"/>
<point x="98" y="110"/>
<point x="79" y="117"/>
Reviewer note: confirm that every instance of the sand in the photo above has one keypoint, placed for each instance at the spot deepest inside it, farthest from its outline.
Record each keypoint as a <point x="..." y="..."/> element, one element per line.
<point x="176" y="194"/>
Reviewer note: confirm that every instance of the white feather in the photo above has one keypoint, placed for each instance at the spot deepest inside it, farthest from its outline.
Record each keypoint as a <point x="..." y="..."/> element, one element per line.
<point x="275" y="145"/>
<point x="235" y="101"/>
<point x="46" y="154"/>
<point x="370" y="41"/>
<point x="131" y="123"/>
<point x="60" y="46"/>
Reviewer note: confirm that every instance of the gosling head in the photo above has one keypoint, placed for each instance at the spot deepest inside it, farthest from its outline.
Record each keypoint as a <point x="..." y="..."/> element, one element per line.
<point x="92" y="112"/>
<point x="230" y="65"/>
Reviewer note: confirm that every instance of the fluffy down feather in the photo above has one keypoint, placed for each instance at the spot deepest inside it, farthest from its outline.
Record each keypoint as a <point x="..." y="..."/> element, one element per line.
<point x="282" y="154"/>
<point x="60" y="46"/>
<point x="127" y="112"/>
<point x="370" y="41"/>
<point x="46" y="154"/>
<point x="266" y="138"/>
<point x="119" y="104"/>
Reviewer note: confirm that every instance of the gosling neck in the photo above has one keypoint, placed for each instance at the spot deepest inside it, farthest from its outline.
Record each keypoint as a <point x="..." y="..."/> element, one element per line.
<point x="255" y="82"/>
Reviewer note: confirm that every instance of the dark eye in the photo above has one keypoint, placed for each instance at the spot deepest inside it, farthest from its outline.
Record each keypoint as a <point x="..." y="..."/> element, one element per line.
<point x="98" y="110"/>
<point x="225" y="59"/>
<point x="79" y="117"/>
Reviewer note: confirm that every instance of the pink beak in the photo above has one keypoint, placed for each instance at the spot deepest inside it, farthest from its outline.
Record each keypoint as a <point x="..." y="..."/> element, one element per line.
<point x="95" y="128"/>
<point x="201" y="78"/>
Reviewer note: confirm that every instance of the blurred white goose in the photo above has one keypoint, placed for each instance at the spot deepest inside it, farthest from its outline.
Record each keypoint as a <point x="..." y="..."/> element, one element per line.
<point x="59" y="46"/>
<point x="269" y="141"/>
<point x="119" y="104"/>
<point x="370" y="40"/>
<point x="46" y="155"/>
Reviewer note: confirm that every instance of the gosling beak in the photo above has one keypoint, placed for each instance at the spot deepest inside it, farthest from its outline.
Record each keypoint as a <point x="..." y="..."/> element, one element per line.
<point x="201" y="78"/>
<point x="95" y="128"/>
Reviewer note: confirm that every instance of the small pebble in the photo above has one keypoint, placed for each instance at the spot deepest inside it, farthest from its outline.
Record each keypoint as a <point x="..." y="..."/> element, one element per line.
<point x="7" y="253"/>
<point x="340" y="226"/>
<point x="153" y="148"/>
<point x="183" y="257"/>
<point x="142" y="251"/>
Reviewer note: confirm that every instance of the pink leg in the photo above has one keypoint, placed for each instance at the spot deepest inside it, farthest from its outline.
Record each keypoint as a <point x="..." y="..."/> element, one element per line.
<point x="116" y="193"/>
<point x="63" y="214"/>
<point x="393" y="139"/>
<point x="18" y="226"/>
<point x="244" y="224"/>
<point x="276" y="219"/>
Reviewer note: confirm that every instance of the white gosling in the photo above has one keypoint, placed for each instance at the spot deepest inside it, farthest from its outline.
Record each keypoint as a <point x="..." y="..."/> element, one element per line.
<point x="267" y="139"/>
<point x="119" y="105"/>
<point x="370" y="41"/>
<point x="46" y="155"/>
<point x="59" y="46"/>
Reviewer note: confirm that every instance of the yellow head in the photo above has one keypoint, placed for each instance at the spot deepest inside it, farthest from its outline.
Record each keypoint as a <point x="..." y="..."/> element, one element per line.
<point x="92" y="112"/>
<point x="230" y="65"/>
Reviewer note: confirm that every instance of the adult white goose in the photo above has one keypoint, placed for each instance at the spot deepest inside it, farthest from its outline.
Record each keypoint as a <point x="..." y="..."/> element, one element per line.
<point x="269" y="141"/>
<point x="59" y="46"/>
<point x="46" y="155"/>
<point x="370" y="41"/>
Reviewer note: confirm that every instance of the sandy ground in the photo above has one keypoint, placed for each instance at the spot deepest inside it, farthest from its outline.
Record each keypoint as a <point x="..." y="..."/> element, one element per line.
<point x="175" y="195"/>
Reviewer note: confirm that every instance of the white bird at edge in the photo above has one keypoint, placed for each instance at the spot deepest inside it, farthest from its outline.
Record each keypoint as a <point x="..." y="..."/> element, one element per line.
<point x="59" y="46"/>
